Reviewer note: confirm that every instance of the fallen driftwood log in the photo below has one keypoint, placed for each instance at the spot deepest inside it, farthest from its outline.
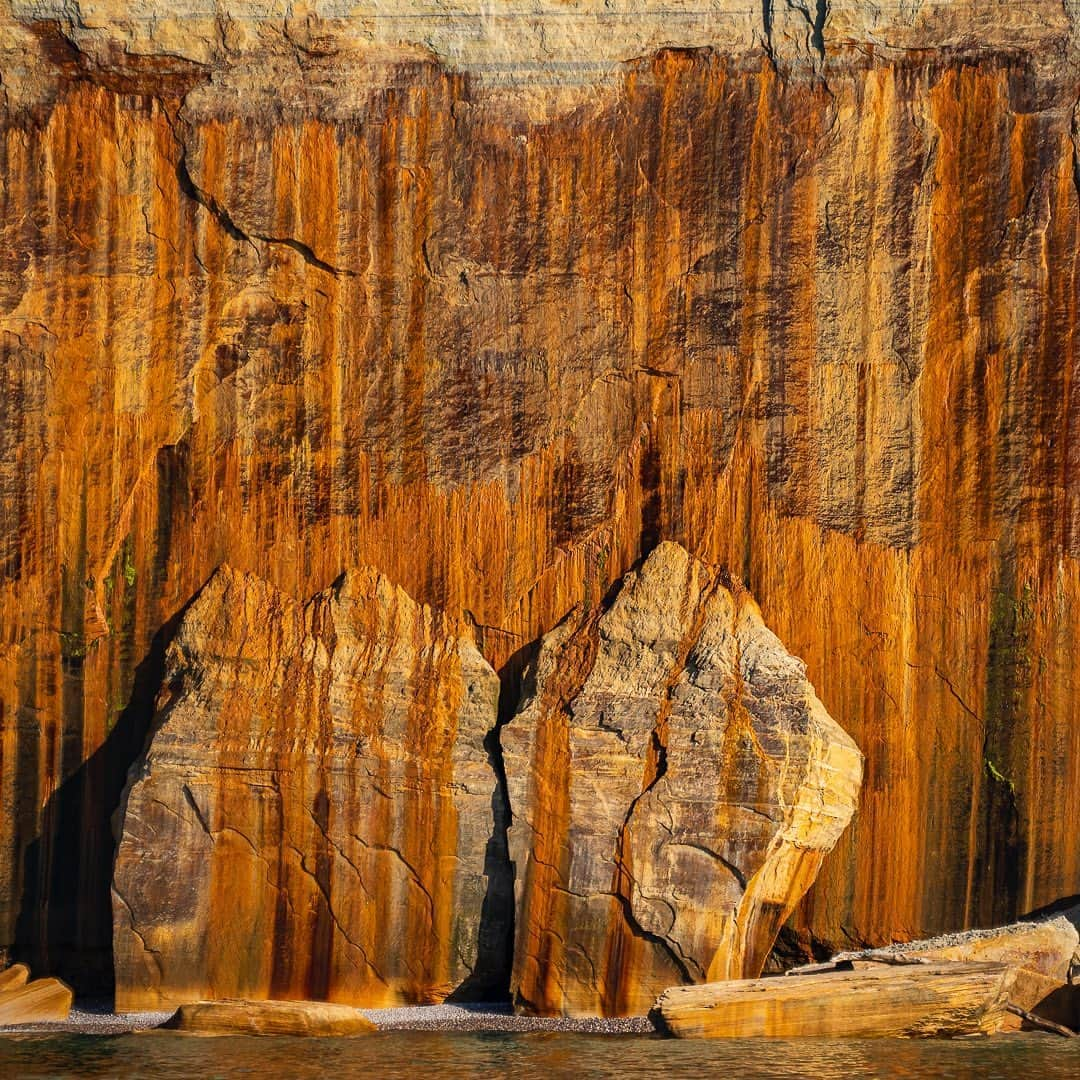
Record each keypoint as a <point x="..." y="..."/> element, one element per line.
<point x="1041" y="1022"/>
<point x="234" y="1017"/>
<point x="917" y="1000"/>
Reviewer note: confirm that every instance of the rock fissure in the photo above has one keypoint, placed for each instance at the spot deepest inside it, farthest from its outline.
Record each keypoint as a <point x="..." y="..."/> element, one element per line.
<point x="324" y="892"/>
<point x="413" y="877"/>
<point x="225" y="220"/>
<point x="194" y="806"/>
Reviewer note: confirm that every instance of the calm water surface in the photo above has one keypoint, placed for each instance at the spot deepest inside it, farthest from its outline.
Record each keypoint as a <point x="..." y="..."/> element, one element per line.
<point x="413" y="1054"/>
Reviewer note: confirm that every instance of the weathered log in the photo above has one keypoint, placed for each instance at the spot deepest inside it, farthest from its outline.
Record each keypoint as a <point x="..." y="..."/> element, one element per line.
<point x="37" y="1001"/>
<point x="913" y="1001"/>
<point x="1040" y="1022"/>
<point x="234" y="1017"/>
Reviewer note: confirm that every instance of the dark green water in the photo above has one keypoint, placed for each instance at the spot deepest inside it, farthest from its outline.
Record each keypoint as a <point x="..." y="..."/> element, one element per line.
<point x="422" y="1054"/>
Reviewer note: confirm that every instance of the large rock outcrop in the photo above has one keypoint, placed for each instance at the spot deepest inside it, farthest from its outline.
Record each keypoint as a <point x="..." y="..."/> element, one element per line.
<point x="675" y="784"/>
<point x="935" y="1000"/>
<point x="492" y="296"/>
<point x="311" y="817"/>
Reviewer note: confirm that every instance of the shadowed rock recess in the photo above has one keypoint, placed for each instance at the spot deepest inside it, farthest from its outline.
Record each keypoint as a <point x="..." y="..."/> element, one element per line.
<point x="494" y="297"/>
<point x="314" y="813"/>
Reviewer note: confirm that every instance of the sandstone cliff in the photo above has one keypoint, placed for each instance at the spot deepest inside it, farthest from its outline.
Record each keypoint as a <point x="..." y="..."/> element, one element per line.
<point x="675" y="784"/>
<point x="322" y="807"/>
<point x="312" y="815"/>
<point x="494" y="298"/>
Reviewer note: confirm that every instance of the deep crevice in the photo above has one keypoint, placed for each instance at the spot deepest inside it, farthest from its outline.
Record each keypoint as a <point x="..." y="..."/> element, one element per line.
<point x="225" y="221"/>
<point x="208" y="202"/>
<point x="817" y="27"/>
<point x="490" y="979"/>
<point x="306" y="254"/>
<point x="767" y="27"/>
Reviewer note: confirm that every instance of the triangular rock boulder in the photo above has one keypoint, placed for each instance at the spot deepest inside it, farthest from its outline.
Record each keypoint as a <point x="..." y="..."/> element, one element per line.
<point x="675" y="784"/>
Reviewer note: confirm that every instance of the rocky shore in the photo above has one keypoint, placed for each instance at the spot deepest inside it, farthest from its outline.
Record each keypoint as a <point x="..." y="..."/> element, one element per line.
<point x="97" y="1018"/>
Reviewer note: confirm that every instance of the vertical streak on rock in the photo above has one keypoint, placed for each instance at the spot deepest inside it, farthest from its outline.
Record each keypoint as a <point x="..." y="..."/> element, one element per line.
<point x="235" y="400"/>
<point x="542" y="916"/>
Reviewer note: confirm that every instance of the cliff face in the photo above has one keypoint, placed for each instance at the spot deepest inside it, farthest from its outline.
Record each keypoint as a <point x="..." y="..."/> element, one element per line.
<point x="463" y="299"/>
<point x="675" y="785"/>
<point x="312" y="815"/>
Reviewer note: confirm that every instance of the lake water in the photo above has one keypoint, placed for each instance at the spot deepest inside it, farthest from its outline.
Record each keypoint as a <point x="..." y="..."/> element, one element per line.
<point x="436" y="1054"/>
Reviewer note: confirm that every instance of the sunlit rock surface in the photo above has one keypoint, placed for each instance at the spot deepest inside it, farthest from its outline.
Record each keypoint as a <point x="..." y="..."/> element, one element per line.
<point x="495" y="296"/>
<point x="675" y="784"/>
<point x="311" y="817"/>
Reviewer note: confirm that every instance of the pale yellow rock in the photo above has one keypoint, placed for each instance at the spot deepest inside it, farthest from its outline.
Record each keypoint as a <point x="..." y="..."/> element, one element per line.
<point x="529" y="56"/>
<point x="675" y="784"/>
<point x="235" y="1017"/>
<point x="881" y="1001"/>
<point x="13" y="977"/>
<point x="1041" y="952"/>
<point x="38" y="1001"/>
<point x="311" y="816"/>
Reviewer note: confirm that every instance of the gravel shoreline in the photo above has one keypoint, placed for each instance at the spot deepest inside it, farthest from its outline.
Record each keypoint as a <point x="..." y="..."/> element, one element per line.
<point x="89" y="1018"/>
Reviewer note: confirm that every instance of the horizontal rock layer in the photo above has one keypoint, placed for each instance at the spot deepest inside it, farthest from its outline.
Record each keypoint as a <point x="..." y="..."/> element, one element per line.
<point x="32" y="1001"/>
<point x="675" y="785"/>
<point x="921" y="1001"/>
<point x="268" y="1018"/>
<point x="312" y="815"/>
<point x="802" y="295"/>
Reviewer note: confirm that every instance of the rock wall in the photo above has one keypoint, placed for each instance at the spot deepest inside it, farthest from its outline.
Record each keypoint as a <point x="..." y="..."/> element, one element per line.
<point x="312" y="816"/>
<point x="675" y="785"/>
<point x="494" y="300"/>
<point x="322" y="809"/>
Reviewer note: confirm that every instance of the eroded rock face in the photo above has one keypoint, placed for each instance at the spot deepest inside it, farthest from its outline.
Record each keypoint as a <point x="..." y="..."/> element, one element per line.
<point x="675" y="785"/>
<point x="311" y="817"/>
<point x="492" y="297"/>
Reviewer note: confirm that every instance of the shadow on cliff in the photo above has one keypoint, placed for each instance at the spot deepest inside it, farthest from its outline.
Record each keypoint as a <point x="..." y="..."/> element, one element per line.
<point x="64" y="925"/>
<point x="490" y="980"/>
<point x="1067" y="906"/>
<point x="491" y="977"/>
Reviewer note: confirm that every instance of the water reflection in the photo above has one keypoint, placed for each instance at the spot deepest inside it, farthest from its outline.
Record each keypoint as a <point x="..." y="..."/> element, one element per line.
<point x="417" y="1054"/>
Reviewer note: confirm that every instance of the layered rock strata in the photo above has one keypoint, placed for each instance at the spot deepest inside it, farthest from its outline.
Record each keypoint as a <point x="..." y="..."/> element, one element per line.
<point x="311" y="817"/>
<point x="32" y="1001"/>
<point x="293" y="1018"/>
<point x="1041" y="952"/>
<point x="492" y="296"/>
<point x="935" y="1000"/>
<point x="675" y="785"/>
